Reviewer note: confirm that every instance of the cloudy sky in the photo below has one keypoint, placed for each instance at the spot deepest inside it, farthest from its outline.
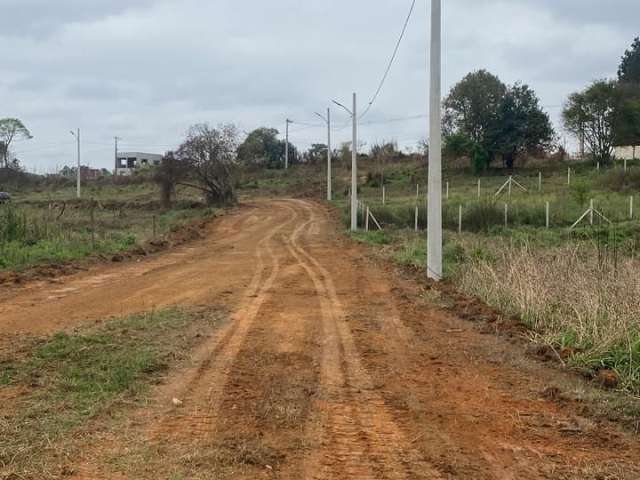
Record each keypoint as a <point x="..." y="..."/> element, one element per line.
<point x="144" y="70"/>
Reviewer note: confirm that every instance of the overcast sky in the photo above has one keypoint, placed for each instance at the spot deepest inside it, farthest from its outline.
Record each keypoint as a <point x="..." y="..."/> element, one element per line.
<point x="145" y="70"/>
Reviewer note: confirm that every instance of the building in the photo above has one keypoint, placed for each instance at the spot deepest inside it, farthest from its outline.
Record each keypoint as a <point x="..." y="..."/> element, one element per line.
<point x="129" y="162"/>
<point x="627" y="153"/>
<point x="88" y="173"/>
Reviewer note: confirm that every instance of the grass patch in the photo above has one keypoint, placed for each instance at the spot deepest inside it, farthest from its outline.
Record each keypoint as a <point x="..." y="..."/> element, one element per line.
<point x="73" y="378"/>
<point x="32" y="234"/>
<point x="377" y="237"/>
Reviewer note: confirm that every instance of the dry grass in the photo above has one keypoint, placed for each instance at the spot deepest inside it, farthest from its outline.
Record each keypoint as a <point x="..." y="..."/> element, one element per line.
<point x="573" y="296"/>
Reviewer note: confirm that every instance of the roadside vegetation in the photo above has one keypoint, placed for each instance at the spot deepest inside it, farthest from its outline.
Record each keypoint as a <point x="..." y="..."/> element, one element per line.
<point x="577" y="289"/>
<point x="118" y="219"/>
<point x="60" y="390"/>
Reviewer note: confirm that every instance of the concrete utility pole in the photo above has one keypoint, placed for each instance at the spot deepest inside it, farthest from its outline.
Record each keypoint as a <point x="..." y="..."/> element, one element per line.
<point x="329" y="174"/>
<point x="434" y="231"/>
<point x="286" y="146"/>
<point x="116" y="155"/>
<point x="354" y="163"/>
<point x="354" y="169"/>
<point x="327" y="119"/>
<point x="77" y="135"/>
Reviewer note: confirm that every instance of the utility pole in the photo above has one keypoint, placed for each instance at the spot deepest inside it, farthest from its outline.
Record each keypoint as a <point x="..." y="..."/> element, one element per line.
<point x="327" y="119"/>
<point x="354" y="163"/>
<point x="116" y="155"/>
<point x="354" y="169"/>
<point x="329" y="174"/>
<point x="77" y="135"/>
<point x="434" y="229"/>
<point x="286" y="146"/>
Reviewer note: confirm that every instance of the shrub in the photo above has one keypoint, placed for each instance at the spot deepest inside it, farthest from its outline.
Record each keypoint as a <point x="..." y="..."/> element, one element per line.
<point x="618" y="180"/>
<point x="482" y="216"/>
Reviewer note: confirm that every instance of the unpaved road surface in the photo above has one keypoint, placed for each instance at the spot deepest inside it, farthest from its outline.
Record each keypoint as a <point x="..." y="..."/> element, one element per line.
<point x="331" y="366"/>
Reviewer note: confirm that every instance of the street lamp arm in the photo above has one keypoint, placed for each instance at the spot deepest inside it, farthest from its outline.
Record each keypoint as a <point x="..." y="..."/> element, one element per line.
<point x="340" y="105"/>
<point x="322" y="117"/>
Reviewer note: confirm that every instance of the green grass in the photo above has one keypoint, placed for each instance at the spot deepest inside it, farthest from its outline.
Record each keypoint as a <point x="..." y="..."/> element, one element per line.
<point x="73" y="378"/>
<point x="377" y="237"/>
<point x="32" y="234"/>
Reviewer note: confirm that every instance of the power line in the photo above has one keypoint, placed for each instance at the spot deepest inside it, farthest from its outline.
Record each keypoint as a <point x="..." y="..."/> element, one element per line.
<point x="393" y="57"/>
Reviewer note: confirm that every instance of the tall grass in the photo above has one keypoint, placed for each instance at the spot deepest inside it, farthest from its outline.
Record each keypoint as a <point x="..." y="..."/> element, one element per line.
<point x="576" y="296"/>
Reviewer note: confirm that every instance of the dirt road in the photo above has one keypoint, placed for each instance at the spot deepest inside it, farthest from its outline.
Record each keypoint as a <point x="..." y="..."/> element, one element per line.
<point x="331" y="367"/>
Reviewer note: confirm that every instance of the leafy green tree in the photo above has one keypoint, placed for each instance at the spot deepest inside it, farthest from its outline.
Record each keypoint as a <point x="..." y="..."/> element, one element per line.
<point x="457" y="145"/>
<point x="472" y="105"/>
<point x="627" y="118"/>
<point x="317" y="154"/>
<point x="629" y="70"/>
<point x="521" y="126"/>
<point x="10" y="130"/>
<point x="263" y="149"/>
<point x="484" y="119"/>
<point x="592" y="113"/>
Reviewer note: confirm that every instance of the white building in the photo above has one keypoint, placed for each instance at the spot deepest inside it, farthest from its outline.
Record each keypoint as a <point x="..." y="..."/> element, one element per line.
<point x="129" y="162"/>
<point x="627" y="153"/>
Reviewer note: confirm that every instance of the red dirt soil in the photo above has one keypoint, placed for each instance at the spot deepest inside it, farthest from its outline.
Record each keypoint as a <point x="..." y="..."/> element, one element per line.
<point x="332" y="366"/>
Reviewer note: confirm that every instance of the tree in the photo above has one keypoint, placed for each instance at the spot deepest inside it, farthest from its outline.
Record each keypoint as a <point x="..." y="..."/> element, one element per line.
<point x="261" y="148"/>
<point x="209" y="155"/>
<point x="629" y="70"/>
<point x="484" y="119"/>
<point x="317" y="153"/>
<point x="471" y="108"/>
<point x="592" y="113"/>
<point x="167" y="175"/>
<point x="627" y="118"/>
<point x="10" y="130"/>
<point x="521" y="126"/>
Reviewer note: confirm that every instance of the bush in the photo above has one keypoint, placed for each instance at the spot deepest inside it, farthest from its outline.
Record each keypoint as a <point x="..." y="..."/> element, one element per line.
<point x="619" y="180"/>
<point x="482" y="216"/>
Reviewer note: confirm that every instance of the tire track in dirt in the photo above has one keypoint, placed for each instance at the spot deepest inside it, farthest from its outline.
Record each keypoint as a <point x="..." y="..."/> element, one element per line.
<point x="200" y="389"/>
<point x="206" y="388"/>
<point x="155" y="282"/>
<point x="360" y="439"/>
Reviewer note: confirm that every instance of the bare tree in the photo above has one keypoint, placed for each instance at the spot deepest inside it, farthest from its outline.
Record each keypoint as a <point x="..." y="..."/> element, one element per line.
<point x="210" y="155"/>
<point x="10" y="129"/>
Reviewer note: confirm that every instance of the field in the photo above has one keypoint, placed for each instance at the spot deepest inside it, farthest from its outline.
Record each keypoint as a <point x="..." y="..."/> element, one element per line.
<point x="273" y="345"/>
<point x="52" y="226"/>
<point x="576" y="289"/>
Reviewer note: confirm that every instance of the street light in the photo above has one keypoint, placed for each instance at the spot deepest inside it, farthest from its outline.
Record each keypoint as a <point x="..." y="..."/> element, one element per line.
<point x="434" y="227"/>
<point x="77" y="136"/>
<point x="327" y="119"/>
<point x="286" y="147"/>
<point x="354" y="164"/>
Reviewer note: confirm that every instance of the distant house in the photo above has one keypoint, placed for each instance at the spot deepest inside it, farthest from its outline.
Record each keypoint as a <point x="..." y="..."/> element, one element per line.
<point x="88" y="173"/>
<point x="627" y="153"/>
<point x="129" y="162"/>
